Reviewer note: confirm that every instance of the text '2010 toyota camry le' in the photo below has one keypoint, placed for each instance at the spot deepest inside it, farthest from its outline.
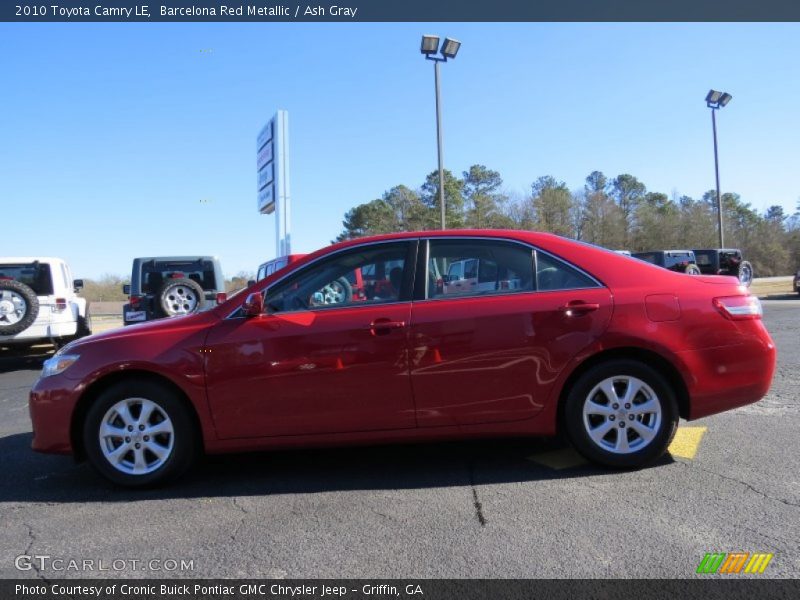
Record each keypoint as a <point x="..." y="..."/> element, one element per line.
<point x="413" y="337"/>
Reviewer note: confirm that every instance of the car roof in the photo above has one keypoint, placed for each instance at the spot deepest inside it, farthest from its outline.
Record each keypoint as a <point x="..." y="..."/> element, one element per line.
<point x="606" y="266"/>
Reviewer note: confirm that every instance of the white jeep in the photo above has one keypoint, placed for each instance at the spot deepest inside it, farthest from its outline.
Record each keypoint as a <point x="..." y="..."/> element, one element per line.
<point x="39" y="302"/>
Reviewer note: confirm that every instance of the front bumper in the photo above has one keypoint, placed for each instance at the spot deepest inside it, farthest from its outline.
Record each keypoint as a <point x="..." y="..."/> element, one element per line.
<point x="52" y="403"/>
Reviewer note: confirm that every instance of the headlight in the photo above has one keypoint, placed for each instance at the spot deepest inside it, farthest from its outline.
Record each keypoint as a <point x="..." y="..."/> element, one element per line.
<point x="58" y="364"/>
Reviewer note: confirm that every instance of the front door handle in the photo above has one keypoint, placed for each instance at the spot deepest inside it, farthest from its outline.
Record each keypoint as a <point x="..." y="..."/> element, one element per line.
<point x="384" y="326"/>
<point x="576" y="309"/>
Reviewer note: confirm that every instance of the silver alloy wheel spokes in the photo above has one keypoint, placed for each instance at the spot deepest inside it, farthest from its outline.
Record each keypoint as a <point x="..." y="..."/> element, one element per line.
<point x="136" y="436"/>
<point x="12" y="307"/>
<point x="622" y="414"/>
<point x="181" y="300"/>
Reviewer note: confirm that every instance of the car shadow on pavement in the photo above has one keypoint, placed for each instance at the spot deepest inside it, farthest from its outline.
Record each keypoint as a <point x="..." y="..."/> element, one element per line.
<point x="32" y="477"/>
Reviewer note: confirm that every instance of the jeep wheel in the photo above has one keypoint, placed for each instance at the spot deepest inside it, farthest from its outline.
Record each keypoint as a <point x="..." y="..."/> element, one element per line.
<point x="180" y="297"/>
<point x="745" y="273"/>
<point x="338" y="291"/>
<point x="692" y="269"/>
<point x="19" y="307"/>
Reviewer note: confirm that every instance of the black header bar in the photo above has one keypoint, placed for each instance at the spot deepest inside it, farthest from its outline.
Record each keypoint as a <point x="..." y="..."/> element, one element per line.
<point x="398" y="10"/>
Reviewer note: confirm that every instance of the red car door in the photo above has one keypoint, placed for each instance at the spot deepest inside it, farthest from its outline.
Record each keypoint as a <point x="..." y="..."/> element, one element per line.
<point x="492" y="355"/>
<point x="337" y="363"/>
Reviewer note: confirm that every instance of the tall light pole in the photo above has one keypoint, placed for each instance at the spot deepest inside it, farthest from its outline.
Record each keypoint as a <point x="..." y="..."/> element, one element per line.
<point x="716" y="100"/>
<point x="449" y="49"/>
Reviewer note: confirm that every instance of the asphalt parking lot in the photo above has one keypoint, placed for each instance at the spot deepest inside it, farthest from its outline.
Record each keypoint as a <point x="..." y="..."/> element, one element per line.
<point x="489" y="509"/>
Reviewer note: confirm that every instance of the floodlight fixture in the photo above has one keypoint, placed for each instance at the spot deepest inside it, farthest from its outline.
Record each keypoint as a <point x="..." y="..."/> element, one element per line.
<point x="716" y="100"/>
<point x="430" y="45"/>
<point x="450" y="47"/>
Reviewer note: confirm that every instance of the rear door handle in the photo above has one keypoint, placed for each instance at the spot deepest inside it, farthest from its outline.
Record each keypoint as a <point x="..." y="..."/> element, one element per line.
<point x="384" y="326"/>
<point x="572" y="309"/>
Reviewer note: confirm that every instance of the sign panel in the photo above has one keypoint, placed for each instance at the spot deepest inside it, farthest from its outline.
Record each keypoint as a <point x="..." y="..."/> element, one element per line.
<point x="272" y="176"/>
<point x="264" y="136"/>
<point x="266" y="200"/>
<point x="264" y="156"/>
<point x="264" y="176"/>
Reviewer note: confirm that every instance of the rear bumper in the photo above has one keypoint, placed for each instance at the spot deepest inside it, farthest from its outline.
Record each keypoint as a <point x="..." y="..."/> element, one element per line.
<point x="41" y="331"/>
<point x="727" y="377"/>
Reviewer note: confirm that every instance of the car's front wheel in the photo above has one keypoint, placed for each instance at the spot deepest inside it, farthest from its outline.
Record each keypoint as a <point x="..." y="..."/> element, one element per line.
<point x="137" y="433"/>
<point x="621" y="413"/>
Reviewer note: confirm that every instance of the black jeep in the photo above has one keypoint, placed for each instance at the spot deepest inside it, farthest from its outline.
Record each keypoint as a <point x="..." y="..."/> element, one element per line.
<point x="170" y="286"/>
<point x="725" y="261"/>
<point x="682" y="261"/>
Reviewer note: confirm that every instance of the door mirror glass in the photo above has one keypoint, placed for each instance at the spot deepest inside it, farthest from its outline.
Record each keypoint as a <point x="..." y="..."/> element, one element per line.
<point x="126" y="289"/>
<point x="254" y="305"/>
<point x="77" y="284"/>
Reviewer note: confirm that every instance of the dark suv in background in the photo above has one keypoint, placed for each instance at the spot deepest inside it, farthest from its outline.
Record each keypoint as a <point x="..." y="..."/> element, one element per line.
<point x="725" y="261"/>
<point x="681" y="261"/>
<point x="170" y="286"/>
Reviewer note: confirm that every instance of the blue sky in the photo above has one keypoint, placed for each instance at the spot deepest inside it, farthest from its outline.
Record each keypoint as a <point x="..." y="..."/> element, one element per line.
<point x="122" y="140"/>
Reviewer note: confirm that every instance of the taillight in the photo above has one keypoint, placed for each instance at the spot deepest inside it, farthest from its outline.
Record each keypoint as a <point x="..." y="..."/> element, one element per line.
<point x="135" y="301"/>
<point x="739" y="308"/>
<point x="221" y="297"/>
<point x="61" y="304"/>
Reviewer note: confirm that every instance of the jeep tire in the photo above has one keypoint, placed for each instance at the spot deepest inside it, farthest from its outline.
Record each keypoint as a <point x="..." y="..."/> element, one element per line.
<point x="19" y="307"/>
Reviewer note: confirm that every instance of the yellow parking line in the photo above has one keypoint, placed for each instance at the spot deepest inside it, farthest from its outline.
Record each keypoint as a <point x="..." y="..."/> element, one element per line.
<point x="687" y="441"/>
<point x="685" y="445"/>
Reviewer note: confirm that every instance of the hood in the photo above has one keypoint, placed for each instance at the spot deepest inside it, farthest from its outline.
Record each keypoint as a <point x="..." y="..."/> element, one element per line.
<point x="154" y="327"/>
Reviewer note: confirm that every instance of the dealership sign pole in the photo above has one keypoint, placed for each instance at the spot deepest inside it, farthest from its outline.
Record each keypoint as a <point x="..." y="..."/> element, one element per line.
<point x="272" y="167"/>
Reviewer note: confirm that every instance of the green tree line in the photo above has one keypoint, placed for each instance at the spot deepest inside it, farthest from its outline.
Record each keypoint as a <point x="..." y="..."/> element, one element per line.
<point x="617" y="213"/>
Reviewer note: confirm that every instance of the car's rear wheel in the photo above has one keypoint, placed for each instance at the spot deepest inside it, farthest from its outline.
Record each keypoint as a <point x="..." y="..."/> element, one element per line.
<point x="621" y="413"/>
<point x="19" y="307"/>
<point x="137" y="433"/>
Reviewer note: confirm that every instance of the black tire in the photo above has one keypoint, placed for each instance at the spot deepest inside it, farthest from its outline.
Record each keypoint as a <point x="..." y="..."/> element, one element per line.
<point x="184" y="440"/>
<point x="181" y="296"/>
<point x="745" y="274"/>
<point x="84" y="329"/>
<point x="663" y="429"/>
<point x="692" y="269"/>
<point x="8" y="287"/>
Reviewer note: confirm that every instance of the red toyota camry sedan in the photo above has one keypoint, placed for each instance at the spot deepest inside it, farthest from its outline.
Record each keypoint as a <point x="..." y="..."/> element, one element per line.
<point x="452" y="334"/>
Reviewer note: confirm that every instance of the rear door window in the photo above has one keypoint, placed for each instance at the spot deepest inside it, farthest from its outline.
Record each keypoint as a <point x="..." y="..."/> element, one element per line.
<point x="478" y="267"/>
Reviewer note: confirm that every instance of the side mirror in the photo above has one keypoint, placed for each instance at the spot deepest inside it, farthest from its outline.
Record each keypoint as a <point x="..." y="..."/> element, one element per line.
<point x="254" y="305"/>
<point x="445" y="278"/>
<point x="126" y="289"/>
<point x="251" y="282"/>
<point x="77" y="284"/>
